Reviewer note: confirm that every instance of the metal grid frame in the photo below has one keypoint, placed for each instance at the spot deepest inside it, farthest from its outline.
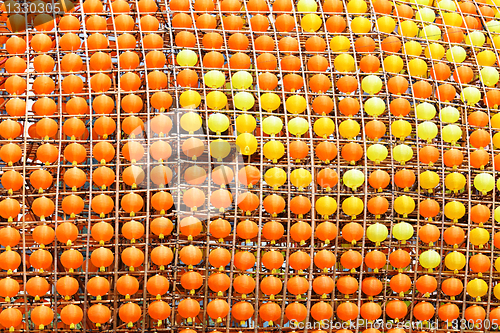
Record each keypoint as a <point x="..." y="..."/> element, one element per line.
<point x="470" y="197"/>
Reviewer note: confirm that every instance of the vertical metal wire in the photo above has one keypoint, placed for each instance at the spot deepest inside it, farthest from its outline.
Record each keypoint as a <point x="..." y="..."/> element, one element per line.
<point x="332" y="75"/>
<point x="226" y="48"/>
<point x="25" y="212"/>
<point x="117" y="235"/>
<point x="147" y="141"/>
<point x="260" y="245"/>
<point x="90" y="165"/>
<point x="56" y="215"/>
<point x="176" y="137"/>
<point x="494" y="205"/>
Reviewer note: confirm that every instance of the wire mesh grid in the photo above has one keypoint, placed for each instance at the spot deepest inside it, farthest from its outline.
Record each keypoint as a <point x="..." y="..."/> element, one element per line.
<point x="30" y="143"/>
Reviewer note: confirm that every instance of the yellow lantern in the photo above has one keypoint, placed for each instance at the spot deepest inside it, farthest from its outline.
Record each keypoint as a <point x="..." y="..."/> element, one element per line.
<point x="300" y="178"/>
<point x="270" y="101"/>
<point x="496" y="140"/>
<point x="429" y="180"/>
<point x="452" y="19"/>
<point x="377" y="233"/>
<point x="386" y="24"/>
<point x="340" y="44"/>
<point x="412" y="48"/>
<point x="425" y="14"/>
<point x="456" y="54"/>
<point x="344" y="62"/>
<point x="448" y="5"/>
<point x="353" y="178"/>
<point x="357" y="7"/>
<point x="307" y="6"/>
<point x="497" y="214"/>
<point x="219" y="149"/>
<point x="190" y="99"/>
<point x="493" y="26"/>
<point x="404" y="205"/>
<point x="349" y="128"/>
<point x="489" y="76"/>
<point x="454" y="210"/>
<point x="455" y="261"/>
<point x="272" y="125"/>
<point x="214" y="79"/>
<point x="352" y="206"/>
<point x="434" y="51"/>
<point x="408" y="29"/>
<point x="477" y="288"/>
<point x="486" y="57"/>
<point x="247" y="143"/>
<point x="422" y="2"/>
<point x="274" y="150"/>
<point x="393" y="64"/>
<point x="377" y="153"/>
<point x="497" y="264"/>
<point x="401" y="129"/>
<point x="245" y="123"/>
<point x="218" y="123"/>
<point x="243" y="100"/>
<point x="402" y="153"/>
<point x="484" y="182"/>
<point x="371" y="84"/>
<point x="427" y="131"/>
<point x="471" y="95"/>
<point x="187" y="58"/>
<point x="241" y="80"/>
<point x="455" y="182"/>
<point x="275" y="177"/>
<point x="475" y="38"/>
<point x="479" y="237"/>
<point x="374" y="106"/>
<point x="216" y="100"/>
<point x="449" y="114"/>
<point x="430" y="32"/>
<point x="495" y="121"/>
<point x="495" y="40"/>
<point x="311" y="23"/>
<point x="298" y="126"/>
<point x="451" y="133"/>
<point x="296" y="104"/>
<point x="496" y="291"/>
<point x="403" y="231"/>
<point x="425" y="111"/>
<point x="417" y="67"/>
<point x="326" y="206"/>
<point x="191" y="122"/>
<point x="361" y="25"/>
<point x="324" y="127"/>
<point x="429" y="259"/>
